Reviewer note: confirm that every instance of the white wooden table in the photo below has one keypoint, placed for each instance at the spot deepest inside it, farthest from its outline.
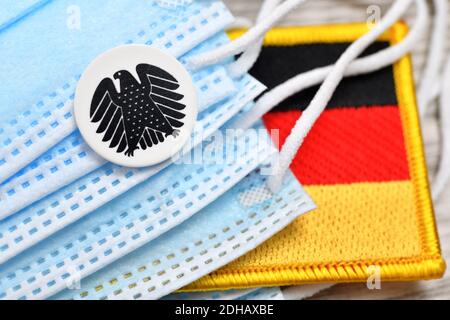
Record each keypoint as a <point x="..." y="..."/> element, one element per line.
<point x="326" y="11"/>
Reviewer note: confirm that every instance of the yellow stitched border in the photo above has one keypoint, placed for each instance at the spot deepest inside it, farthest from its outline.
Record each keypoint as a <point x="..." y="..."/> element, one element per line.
<point x="285" y="36"/>
<point x="426" y="266"/>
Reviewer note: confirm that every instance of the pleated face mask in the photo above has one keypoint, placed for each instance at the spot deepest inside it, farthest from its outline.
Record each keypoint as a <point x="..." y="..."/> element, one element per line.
<point x="72" y="157"/>
<point x="27" y="133"/>
<point x="230" y="226"/>
<point x="60" y="36"/>
<point x="57" y="193"/>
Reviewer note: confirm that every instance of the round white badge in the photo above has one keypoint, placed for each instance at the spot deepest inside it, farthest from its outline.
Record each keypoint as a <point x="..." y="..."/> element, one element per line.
<point x="135" y="105"/>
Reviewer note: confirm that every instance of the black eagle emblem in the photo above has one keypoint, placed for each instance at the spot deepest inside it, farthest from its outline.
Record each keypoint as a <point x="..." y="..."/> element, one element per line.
<point x="142" y="114"/>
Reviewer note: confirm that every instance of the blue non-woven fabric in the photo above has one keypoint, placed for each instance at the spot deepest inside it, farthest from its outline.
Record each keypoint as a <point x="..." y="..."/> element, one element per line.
<point x="80" y="196"/>
<point x="13" y="11"/>
<point x="36" y="108"/>
<point x="70" y="203"/>
<point x="205" y="96"/>
<point x="163" y="265"/>
<point x="133" y="219"/>
<point x="41" y="53"/>
<point x="62" y="164"/>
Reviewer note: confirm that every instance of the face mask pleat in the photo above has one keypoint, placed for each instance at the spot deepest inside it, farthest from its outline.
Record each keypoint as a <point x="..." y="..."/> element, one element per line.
<point x="23" y="133"/>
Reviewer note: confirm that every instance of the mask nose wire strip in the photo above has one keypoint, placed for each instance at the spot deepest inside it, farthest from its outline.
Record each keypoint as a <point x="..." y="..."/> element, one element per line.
<point x="443" y="173"/>
<point x="246" y="61"/>
<point x="363" y="65"/>
<point x="249" y="38"/>
<point x="325" y="92"/>
<point x="435" y="58"/>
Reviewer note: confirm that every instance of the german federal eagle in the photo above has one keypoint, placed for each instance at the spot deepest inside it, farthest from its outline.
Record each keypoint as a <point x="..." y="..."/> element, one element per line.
<point x="144" y="113"/>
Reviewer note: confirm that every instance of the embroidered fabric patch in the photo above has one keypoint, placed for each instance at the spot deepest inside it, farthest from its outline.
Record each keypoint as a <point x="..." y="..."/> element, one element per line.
<point x="362" y="163"/>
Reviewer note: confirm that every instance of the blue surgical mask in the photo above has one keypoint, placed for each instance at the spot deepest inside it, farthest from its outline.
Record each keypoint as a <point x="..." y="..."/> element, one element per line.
<point x="146" y="213"/>
<point x="37" y="221"/>
<point x="72" y="158"/>
<point x="52" y="44"/>
<point x="104" y="211"/>
<point x="237" y="222"/>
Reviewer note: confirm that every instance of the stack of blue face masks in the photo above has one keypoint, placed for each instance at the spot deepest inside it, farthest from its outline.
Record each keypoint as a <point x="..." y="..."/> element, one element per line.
<point x="75" y="226"/>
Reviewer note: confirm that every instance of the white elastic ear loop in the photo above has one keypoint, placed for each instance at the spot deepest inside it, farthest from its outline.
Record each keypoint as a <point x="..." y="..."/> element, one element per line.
<point x="250" y="37"/>
<point x="363" y="65"/>
<point x="240" y="22"/>
<point x="430" y="79"/>
<point x="443" y="174"/>
<point x="244" y="63"/>
<point x="326" y="90"/>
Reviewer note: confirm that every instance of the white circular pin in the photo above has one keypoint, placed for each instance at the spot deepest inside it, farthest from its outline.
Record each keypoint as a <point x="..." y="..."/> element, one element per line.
<point x="135" y="105"/>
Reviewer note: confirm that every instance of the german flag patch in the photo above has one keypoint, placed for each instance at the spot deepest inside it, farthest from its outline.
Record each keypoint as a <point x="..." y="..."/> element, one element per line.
<point x="362" y="163"/>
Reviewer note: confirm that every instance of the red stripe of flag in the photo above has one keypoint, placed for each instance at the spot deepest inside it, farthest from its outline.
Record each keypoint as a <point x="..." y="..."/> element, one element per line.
<point x="347" y="145"/>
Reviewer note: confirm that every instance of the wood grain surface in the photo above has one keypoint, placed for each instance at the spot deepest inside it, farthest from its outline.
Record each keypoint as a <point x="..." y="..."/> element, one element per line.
<point x="328" y="11"/>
